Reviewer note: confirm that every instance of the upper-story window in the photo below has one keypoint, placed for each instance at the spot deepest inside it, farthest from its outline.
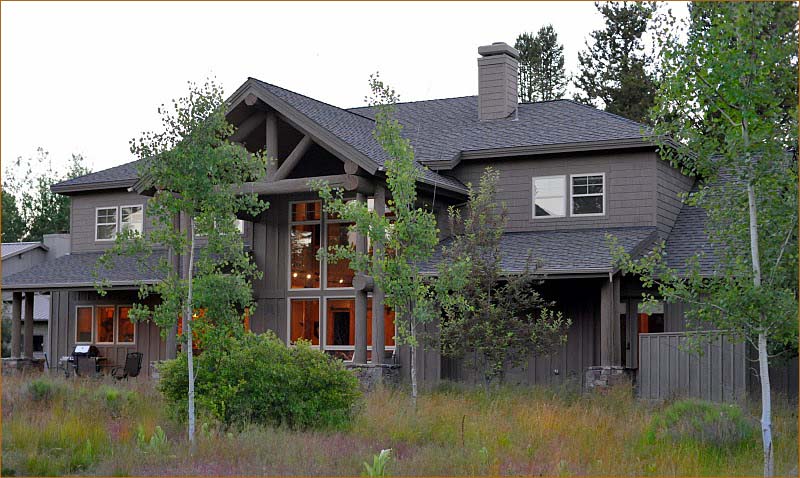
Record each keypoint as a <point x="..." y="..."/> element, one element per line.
<point x="106" y="224"/>
<point x="588" y="194"/>
<point x="305" y="240"/>
<point x="132" y="218"/>
<point x="550" y="196"/>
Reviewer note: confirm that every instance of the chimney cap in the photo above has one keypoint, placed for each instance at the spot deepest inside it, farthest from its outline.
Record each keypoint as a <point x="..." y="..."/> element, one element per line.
<point x="498" y="48"/>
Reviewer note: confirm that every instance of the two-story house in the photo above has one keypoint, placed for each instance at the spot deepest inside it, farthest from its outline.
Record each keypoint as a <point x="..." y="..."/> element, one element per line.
<point x="569" y="175"/>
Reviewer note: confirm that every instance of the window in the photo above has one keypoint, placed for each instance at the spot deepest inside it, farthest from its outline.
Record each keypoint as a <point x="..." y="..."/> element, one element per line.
<point x="588" y="195"/>
<point x="650" y="317"/>
<point x="340" y="327"/>
<point x="131" y="218"/>
<point x="104" y="318"/>
<point x="240" y="226"/>
<point x="304" y="243"/>
<point x="83" y="324"/>
<point x="339" y="273"/>
<point x="126" y="330"/>
<point x="106" y="224"/>
<point x="549" y="196"/>
<point x="304" y="316"/>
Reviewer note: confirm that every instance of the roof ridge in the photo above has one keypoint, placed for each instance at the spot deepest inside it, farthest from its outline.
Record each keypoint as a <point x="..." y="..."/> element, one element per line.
<point x="418" y="101"/>
<point x="311" y="98"/>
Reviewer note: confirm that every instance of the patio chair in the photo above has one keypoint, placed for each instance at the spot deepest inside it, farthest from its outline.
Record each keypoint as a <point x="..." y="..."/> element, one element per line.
<point x="133" y="365"/>
<point x="85" y="366"/>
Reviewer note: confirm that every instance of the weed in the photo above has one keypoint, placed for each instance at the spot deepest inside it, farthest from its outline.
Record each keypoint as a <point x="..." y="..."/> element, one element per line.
<point x="379" y="461"/>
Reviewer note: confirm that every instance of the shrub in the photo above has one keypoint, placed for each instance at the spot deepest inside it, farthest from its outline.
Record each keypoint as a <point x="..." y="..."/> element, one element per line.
<point x="703" y="422"/>
<point x="257" y="379"/>
<point x="41" y="390"/>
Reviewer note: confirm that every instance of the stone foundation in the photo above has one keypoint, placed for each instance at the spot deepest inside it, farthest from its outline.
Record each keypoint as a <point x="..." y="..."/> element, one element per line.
<point x="371" y="375"/>
<point x="603" y="377"/>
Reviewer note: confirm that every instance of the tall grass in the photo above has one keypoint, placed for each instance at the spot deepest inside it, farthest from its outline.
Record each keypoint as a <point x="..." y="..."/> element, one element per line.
<point x="89" y="427"/>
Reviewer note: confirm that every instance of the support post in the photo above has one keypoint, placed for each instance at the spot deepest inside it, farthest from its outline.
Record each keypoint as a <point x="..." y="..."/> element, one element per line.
<point x="610" y="350"/>
<point x="378" y="327"/>
<point x="360" y="353"/>
<point x="272" y="144"/>
<point x="29" y="299"/>
<point x="16" y="323"/>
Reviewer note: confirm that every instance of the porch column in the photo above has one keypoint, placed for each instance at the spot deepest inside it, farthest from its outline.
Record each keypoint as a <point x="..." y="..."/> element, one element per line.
<point x="360" y="353"/>
<point x="272" y="144"/>
<point x="378" y="346"/>
<point x="610" y="340"/>
<point x="16" y="323"/>
<point x="29" y="325"/>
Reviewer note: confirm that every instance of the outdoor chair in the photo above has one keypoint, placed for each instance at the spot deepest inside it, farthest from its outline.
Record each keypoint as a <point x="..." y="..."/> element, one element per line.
<point x="85" y="366"/>
<point x="133" y="365"/>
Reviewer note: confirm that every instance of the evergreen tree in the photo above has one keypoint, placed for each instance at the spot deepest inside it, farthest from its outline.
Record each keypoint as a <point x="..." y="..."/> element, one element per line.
<point x="615" y="72"/>
<point x="541" y="66"/>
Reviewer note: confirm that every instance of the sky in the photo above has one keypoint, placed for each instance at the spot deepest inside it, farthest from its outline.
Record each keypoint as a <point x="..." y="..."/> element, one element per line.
<point x="87" y="77"/>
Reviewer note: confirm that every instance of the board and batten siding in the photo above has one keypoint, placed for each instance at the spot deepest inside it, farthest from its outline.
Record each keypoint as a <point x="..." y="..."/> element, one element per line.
<point x="630" y="188"/>
<point x="61" y="339"/>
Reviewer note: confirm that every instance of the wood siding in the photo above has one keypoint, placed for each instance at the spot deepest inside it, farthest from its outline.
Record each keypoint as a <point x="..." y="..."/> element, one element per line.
<point x="24" y="261"/>
<point x="579" y="300"/>
<point x="668" y="369"/>
<point x="671" y="184"/>
<point x="630" y="188"/>
<point x="61" y="339"/>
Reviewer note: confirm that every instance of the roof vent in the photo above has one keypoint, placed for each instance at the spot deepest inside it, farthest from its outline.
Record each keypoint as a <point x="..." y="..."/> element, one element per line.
<point x="497" y="81"/>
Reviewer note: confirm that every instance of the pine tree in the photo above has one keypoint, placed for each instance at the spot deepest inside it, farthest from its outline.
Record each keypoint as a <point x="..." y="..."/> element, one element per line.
<point x="541" y="68"/>
<point x="615" y="72"/>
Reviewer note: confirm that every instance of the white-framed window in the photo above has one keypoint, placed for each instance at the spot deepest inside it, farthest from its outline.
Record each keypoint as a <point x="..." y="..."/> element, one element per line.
<point x="588" y="194"/>
<point x="84" y="323"/>
<point x="549" y="196"/>
<point x="132" y="218"/>
<point x="105" y="223"/>
<point x="304" y="320"/>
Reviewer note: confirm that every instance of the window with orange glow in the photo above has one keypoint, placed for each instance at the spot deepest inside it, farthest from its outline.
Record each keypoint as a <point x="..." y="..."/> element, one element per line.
<point x="104" y="320"/>
<point x="339" y="273"/>
<point x="83" y="324"/>
<point x="126" y="330"/>
<point x="304" y="314"/>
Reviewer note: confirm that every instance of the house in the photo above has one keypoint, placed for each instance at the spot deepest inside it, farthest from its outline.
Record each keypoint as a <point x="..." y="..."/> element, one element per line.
<point x="569" y="174"/>
<point x="19" y="256"/>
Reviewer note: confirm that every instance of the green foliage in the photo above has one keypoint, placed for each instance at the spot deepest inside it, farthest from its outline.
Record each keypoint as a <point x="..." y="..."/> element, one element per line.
<point x="379" y="461"/>
<point x="410" y="236"/>
<point x="157" y="443"/>
<point x="541" y="65"/>
<point x="258" y="379"/>
<point x="614" y="70"/>
<point x="699" y="421"/>
<point x="496" y="319"/>
<point x="41" y="390"/>
<point x="33" y="209"/>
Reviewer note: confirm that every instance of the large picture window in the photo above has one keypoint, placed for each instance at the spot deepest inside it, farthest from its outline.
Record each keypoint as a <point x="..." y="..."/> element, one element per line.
<point x="84" y="316"/>
<point x="588" y="195"/>
<point x="549" y="196"/>
<point x="304" y="320"/>
<point x="304" y="243"/>
<point x="339" y="273"/>
<point x="126" y="329"/>
<point x="106" y="223"/>
<point x="131" y="218"/>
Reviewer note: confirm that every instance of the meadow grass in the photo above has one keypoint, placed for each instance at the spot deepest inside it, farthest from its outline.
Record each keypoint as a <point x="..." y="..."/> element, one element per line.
<point x="53" y="426"/>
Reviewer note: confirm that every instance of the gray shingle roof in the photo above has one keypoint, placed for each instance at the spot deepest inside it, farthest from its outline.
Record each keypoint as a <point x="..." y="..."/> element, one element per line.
<point x="561" y="252"/>
<point x="10" y="249"/>
<point x="123" y="174"/>
<point x="441" y="129"/>
<point x="75" y="270"/>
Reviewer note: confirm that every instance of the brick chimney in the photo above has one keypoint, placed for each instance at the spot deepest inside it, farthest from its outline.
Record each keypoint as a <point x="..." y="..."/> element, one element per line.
<point x="497" y="81"/>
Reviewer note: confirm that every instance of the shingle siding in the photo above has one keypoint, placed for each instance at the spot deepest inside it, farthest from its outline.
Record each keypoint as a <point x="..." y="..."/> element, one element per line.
<point x="630" y="188"/>
<point x="82" y="220"/>
<point x="671" y="185"/>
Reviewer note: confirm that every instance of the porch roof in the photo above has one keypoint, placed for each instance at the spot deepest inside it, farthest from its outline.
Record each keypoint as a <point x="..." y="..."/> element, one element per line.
<point x="76" y="270"/>
<point x="579" y="252"/>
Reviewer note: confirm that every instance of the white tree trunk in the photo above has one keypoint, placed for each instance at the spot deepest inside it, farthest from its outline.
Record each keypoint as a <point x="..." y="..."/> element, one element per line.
<point x="414" y="365"/>
<point x="188" y="316"/>
<point x="766" y="405"/>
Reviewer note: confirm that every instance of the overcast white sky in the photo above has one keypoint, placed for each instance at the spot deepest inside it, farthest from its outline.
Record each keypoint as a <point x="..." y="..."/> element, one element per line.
<point x="87" y="77"/>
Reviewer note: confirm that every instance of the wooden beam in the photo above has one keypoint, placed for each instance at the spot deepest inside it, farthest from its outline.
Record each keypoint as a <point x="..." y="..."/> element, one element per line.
<point x="286" y="186"/>
<point x="363" y="282"/>
<point x="248" y="126"/>
<point x="250" y="99"/>
<point x="294" y="157"/>
<point x="350" y="167"/>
